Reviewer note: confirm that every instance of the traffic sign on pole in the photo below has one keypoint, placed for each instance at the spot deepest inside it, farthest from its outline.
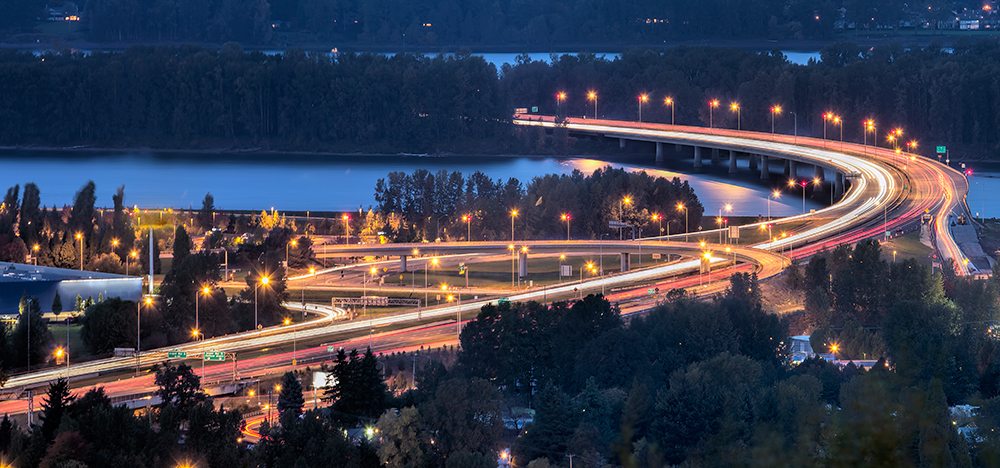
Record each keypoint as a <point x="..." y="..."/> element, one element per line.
<point x="331" y="349"/>
<point x="214" y="355"/>
<point x="177" y="354"/>
<point x="942" y="149"/>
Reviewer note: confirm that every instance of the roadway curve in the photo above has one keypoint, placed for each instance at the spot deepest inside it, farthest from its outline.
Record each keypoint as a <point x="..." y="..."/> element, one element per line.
<point x="890" y="189"/>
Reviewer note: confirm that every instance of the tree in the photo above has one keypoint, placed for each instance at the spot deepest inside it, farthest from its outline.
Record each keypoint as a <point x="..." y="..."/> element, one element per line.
<point x="290" y="399"/>
<point x="403" y="438"/>
<point x="178" y="387"/>
<point x="182" y="244"/>
<point x="465" y="416"/>
<point x="358" y="391"/>
<point x="55" y="404"/>
<point x="207" y="213"/>
<point x="30" y="317"/>
<point x="57" y="306"/>
<point x="109" y="325"/>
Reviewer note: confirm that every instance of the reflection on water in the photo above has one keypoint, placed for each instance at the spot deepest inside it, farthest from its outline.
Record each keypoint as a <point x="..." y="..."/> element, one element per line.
<point x="261" y="181"/>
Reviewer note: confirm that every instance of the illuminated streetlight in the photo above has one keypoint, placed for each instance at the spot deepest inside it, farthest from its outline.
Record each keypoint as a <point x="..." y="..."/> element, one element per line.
<point x="468" y="223"/>
<point x="567" y="218"/>
<point x="670" y="102"/>
<point x="775" y="110"/>
<point x="680" y="206"/>
<point x="735" y="107"/>
<point x="593" y="96"/>
<point x="642" y="98"/>
<point x="293" y="243"/>
<point x="513" y="214"/>
<point x="79" y="237"/>
<point x="869" y="126"/>
<point x="263" y="281"/>
<point x="347" y="228"/>
<point x="35" y="257"/>
<point x="197" y="324"/>
<point x="711" y="112"/>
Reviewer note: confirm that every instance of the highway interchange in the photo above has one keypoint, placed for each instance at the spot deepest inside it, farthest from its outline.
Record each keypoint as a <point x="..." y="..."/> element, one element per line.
<point x="888" y="190"/>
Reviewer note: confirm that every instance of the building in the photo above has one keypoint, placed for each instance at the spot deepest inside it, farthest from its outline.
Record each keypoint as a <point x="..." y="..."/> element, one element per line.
<point x="16" y="279"/>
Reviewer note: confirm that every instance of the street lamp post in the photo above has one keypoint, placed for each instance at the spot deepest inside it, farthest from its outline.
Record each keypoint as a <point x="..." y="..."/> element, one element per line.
<point x="263" y="281"/>
<point x="138" y="320"/>
<point x="593" y="96"/>
<point x="130" y="256"/>
<point x="292" y="243"/>
<point x="567" y="218"/>
<point x="659" y="223"/>
<point x="840" y="123"/>
<point x="79" y="237"/>
<point x="736" y="108"/>
<point x="35" y="257"/>
<point x="670" y="102"/>
<point x="774" y="195"/>
<point x="680" y="206"/>
<point x="774" y="111"/>
<point x="468" y="224"/>
<point x="197" y="321"/>
<point x="560" y="97"/>
<point x="711" y="112"/>
<point x="869" y="127"/>
<point x="621" y="213"/>
<point x="642" y="98"/>
<point x="347" y="228"/>
<point x="826" y="116"/>
<point x="795" y="128"/>
<point x="513" y="214"/>
<point x="364" y="300"/>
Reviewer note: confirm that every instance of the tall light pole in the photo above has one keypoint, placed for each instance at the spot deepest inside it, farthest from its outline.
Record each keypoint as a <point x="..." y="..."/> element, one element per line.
<point x="736" y="108"/>
<point x="593" y="96"/>
<point x="468" y="224"/>
<point x="566" y="218"/>
<point x="680" y="206"/>
<point x="79" y="237"/>
<point x="826" y="116"/>
<point x="670" y="102"/>
<point x="292" y="243"/>
<point x="513" y="214"/>
<point x="347" y="228"/>
<point x="728" y="208"/>
<point x="621" y="213"/>
<point x="642" y="98"/>
<point x="774" y="195"/>
<point x="434" y="261"/>
<point x="869" y="126"/>
<point x="795" y="128"/>
<point x="560" y="97"/>
<point x="513" y="255"/>
<point x="840" y="123"/>
<point x="131" y="255"/>
<point x="197" y="321"/>
<point x="775" y="110"/>
<point x="659" y="222"/>
<point x="364" y="300"/>
<point x="263" y="281"/>
<point x="35" y="257"/>
<point x="711" y="112"/>
<point x="138" y="320"/>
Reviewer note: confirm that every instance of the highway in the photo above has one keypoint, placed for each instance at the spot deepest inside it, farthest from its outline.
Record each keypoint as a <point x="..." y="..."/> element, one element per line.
<point x="887" y="191"/>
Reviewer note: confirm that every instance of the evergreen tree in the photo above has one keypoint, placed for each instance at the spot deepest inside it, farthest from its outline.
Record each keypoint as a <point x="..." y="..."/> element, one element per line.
<point x="57" y="306"/>
<point x="358" y="392"/>
<point x="207" y="212"/>
<point x="39" y="335"/>
<point x="290" y="400"/>
<point x="55" y="404"/>
<point x="79" y="305"/>
<point x="179" y="388"/>
<point x="182" y="245"/>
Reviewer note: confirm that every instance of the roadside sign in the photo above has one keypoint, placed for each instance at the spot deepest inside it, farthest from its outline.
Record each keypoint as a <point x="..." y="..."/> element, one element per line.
<point x="657" y="256"/>
<point x="331" y="349"/>
<point x="566" y="270"/>
<point x="534" y="109"/>
<point x="503" y="300"/>
<point x="942" y="149"/>
<point x="178" y="354"/>
<point x="734" y="232"/>
<point x="462" y="268"/>
<point x="651" y="291"/>
<point x="214" y="355"/>
<point x="617" y="224"/>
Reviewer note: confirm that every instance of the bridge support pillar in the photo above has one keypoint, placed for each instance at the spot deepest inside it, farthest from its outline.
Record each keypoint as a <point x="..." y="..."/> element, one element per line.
<point x="697" y="157"/>
<point x="402" y="263"/>
<point x="753" y="162"/>
<point x="732" y="162"/>
<point x="838" y="186"/>
<point x="765" y="172"/>
<point x="522" y="264"/>
<point x="626" y="261"/>
<point x="659" y="152"/>
<point x="793" y="169"/>
<point x="678" y="148"/>
<point x="715" y="155"/>
<point x="621" y="143"/>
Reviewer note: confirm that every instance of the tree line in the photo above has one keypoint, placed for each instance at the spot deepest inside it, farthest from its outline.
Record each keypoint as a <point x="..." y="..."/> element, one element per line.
<point x="194" y="98"/>
<point x="549" y="207"/>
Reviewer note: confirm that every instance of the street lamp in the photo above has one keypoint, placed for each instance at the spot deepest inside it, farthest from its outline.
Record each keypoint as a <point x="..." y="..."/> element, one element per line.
<point x="826" y="116"/>
<point x="60" y="353"/>
<point x="130" y="256"/>
<point x="364" y="300"/>
<point x="774" y="195"/>
<point x="670" y="102"/>
<point x="263" y="281"/>
<point x="840" y="123"/>
<point x="728" y="208"/>
<point x="659" y="222"/>
<point x="434" y="261"/>
<point x="293" y="243"/>
<point x="79" y="237"/>
<point x="513" y="255"/>
<point x="642" y="98"/>
<point x="513" y="214"/>
<point x="711" y="112"/>
<point x="566" y="218"/>
<point x="35" y="257"/>
<point x="775" y="110"/>
<point x="197" y="322"/>
<point x="468" y="223"/>
<point x="138" y="320"/>
<point x="347" y="228"/>
<point x="593" y="96"/>
<point x="561" y="258"/>
<point x="708" y="262"/>
<point x="735" y="107"/>
<point x="560" y="97"/>
<point x="870" y="127"/>
<point x="680" y="206"/>
<point x="621" y="213"/>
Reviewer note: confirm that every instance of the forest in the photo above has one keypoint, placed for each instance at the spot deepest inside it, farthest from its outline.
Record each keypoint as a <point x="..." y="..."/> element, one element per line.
<point x="477" y="22"/>
<point x="189" y="97"/>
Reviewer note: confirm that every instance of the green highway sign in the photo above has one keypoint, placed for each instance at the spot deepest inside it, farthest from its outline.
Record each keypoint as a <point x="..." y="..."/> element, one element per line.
<point x="214" y="355"/>
<point x="330" y="349"/>
<point x="651" y="290"/>
<point x="942" y="149"/>
<point x="534" y="109"/>
<point x="503" y="300"/>
<point x="177" y="354"/>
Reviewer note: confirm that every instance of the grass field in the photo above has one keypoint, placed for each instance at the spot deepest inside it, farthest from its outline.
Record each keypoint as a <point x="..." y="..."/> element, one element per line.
<point x="58" y="331"/>
<point x="907" y="246"/>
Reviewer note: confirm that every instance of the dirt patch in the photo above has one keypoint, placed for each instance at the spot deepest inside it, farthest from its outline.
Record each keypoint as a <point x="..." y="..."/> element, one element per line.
<point x="779" y="298"/>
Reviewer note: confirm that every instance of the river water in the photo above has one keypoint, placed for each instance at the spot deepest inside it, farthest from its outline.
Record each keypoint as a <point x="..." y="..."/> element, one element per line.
<point x="295" y="183"/>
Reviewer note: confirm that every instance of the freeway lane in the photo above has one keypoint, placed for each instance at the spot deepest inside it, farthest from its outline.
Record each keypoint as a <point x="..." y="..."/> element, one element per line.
<point x="910" y="186"/>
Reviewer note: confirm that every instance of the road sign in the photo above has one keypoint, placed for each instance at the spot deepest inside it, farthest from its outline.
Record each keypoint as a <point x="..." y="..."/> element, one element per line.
<point x="734" y="232"/>
<point x="178" y="354"/>
<point x="462" y="268"/>
<point x="942" y="149"/>
<point x="214" y="355"/>
<point x="331" y="349"/>
<point x="503" y="300"/>
<point x="651" y="291"/>
<point x="617" y="224"/>
<point x="566" y="270"/>
<point x="534" y="109"/>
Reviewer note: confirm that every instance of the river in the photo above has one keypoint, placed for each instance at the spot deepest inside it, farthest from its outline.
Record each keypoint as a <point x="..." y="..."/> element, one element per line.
<point x="296" y="183"/>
